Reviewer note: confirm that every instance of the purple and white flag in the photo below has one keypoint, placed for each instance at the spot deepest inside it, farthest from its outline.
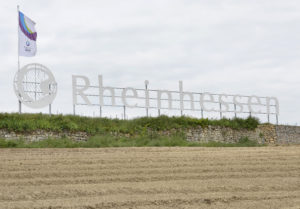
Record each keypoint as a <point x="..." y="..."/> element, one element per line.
<point x="27" y="36"/>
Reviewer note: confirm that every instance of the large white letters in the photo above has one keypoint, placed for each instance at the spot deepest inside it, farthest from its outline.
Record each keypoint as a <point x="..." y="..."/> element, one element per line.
<point x="125" y="96"/>
<point x="80" y="91"/>
<point x="223" y="103"/>
<point x="101" y="92"/>
<point x="176" y="100"/>
<point x="182" y="94"/>
<point x="251" y="103"/>
<point x="159" y="94"/>
<point x="202" y="100"/>
<point x="238" y="104"/>
<point x="276" y="105"/>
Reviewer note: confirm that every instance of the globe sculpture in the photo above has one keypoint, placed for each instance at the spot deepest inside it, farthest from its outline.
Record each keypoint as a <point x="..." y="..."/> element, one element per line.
<point x="35" y="85"/>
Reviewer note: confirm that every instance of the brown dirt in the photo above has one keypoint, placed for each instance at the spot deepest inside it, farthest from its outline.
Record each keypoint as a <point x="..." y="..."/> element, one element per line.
<point x="263" y="177"/>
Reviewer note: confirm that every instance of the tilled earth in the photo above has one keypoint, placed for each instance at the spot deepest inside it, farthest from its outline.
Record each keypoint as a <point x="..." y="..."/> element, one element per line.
<point x="262" y="177"/>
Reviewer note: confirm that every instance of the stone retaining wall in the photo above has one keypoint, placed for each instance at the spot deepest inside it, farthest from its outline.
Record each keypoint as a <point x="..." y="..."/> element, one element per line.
<point x="42" y="135"/>
<point x="262" y="134"/>
<point x="288" y="134"/>
<point x="269" y="134"/>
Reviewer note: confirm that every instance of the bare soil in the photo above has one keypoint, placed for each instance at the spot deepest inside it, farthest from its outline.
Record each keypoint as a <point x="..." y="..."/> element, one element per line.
<point x="261" y="177"/>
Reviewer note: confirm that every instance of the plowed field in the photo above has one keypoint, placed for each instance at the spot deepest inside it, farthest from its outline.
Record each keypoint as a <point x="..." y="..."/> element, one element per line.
<point x="263" y="177"/>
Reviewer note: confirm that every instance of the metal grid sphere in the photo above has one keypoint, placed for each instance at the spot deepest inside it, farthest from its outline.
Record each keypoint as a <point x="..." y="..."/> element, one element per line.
<point x="35" y="85"/>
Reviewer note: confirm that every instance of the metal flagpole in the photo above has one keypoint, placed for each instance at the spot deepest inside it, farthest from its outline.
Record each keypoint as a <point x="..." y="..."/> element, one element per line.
<point x="50" y="113"/>
<point x="124" y="112"/>
<point x="20" y="104"/>
<point x="146" y="88"/>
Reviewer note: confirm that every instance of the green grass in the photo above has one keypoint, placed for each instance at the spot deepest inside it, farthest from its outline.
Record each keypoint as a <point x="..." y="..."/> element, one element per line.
<point x="109" y="141"/>
<point x="99" y="126"/>
<point x="142" y="131"/>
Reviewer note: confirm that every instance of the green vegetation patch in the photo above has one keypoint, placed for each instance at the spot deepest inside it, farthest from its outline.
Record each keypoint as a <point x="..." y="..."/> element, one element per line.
<point x="110" y="141"/>
<point x="95" y="126"/>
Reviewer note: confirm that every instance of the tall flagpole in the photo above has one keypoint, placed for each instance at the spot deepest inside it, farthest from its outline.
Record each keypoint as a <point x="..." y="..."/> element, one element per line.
<point x="20" y="104"/>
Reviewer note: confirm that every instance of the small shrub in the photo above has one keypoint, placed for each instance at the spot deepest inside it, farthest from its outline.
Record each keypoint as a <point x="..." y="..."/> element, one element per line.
<point x="246" y="142"/>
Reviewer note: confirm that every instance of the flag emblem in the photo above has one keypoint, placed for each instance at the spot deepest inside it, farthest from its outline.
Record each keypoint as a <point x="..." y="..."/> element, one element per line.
<point x="27" y="36"/>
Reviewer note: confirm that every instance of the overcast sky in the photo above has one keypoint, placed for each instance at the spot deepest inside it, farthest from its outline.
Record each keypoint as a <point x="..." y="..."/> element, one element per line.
<point x="248" y="47"/>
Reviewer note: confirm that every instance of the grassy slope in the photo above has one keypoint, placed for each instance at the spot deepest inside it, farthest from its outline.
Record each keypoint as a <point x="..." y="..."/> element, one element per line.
<point x="109" y="141"/>
<point x="94" y="126"/>
<point x="101" y="129"/>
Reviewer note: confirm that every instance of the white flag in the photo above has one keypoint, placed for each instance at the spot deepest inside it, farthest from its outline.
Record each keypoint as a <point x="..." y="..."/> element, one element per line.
<point x="27" y="36"/>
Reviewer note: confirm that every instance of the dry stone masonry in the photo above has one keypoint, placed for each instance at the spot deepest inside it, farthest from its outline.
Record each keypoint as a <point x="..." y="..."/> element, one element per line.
<point x="42" y="135"/>
<point x="264" y="134"/>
